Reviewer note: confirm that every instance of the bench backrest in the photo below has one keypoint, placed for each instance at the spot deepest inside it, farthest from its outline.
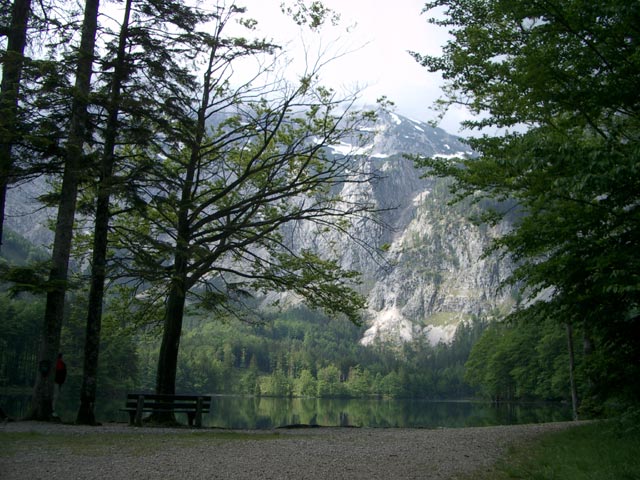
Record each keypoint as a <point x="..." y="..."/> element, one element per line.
<point x="174" y="402"/>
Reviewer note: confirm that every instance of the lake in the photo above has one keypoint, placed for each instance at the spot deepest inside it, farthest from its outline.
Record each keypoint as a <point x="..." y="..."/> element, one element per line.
<point x="267" y="412"/>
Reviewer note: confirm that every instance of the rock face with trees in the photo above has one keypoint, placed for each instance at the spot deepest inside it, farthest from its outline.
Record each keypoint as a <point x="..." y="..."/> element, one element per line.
<point x="428" y="274"/>
<point x="561" y="79"/>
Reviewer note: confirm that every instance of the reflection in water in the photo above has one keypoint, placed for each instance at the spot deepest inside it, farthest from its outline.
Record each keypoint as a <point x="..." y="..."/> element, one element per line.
<point x="268" y="412"/>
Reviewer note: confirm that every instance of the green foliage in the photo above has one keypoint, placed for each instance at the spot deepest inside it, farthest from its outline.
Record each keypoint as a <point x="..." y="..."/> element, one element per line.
<point x="598" y="450"/>
<point x="520" y="362"/>
<point x="118" y="368"/>
<point x="20" y="323"/>
<point x="329" y="384"/>
<point x="31" y="279"/>
<point x="566" y="74"/>
<point x="20" y="330"/>
<point x="312" y="14"/>
<point x="23" y="266"/>
<point x="304" y="354"/>
<point x="299" y="354"/>
<point x="119" y="363"/>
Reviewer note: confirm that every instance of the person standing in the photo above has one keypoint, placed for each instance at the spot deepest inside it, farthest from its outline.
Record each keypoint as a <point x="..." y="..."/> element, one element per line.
<point x="59" y="379"/>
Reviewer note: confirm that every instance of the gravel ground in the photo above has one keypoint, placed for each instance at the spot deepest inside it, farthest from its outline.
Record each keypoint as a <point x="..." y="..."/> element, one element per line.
<point x="310" y="453"/>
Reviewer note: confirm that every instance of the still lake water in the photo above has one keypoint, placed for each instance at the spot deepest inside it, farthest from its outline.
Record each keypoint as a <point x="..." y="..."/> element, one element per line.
<point x="268" y="412"/>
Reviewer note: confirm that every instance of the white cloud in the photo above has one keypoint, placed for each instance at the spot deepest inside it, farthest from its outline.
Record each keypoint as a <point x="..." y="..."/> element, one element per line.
<point x="379" y="35"/>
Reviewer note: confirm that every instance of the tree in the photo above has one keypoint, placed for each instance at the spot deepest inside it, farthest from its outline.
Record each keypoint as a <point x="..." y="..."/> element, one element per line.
<point x="74" y="161"/>
<point x="86" y="413"/>
<point x="305" y="385"/>
<point x="560" y="78"/>
<point x="515" y="361"/>
<point x="21" y="319"/>
<point x="127" y="69"/>
<point x="233" y="168"/>
<point x="328" y="383"/>
<point x="12" y="63"/>
<point x="358" y="382"/>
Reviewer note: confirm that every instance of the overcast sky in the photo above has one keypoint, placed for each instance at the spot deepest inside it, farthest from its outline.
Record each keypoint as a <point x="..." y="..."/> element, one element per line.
<point x="379" y="33"/>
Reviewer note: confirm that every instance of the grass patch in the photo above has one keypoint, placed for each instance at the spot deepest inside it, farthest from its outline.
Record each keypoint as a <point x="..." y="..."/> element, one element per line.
<point x="136" y="444"/>
<point x="598" y="451"/>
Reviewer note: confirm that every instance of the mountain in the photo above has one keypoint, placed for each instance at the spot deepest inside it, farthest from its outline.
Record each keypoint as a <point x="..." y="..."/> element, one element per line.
<point x="26" y="216"/>
<point x="428" y="274"/>
<point x="424" y="273"/>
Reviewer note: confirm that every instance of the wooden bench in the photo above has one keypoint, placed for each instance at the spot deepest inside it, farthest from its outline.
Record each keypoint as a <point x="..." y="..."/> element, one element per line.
<point x="193" y="405"/>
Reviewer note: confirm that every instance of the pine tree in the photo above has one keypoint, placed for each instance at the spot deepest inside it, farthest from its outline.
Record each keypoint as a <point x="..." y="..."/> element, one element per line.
<point x="12" y="63"/>
<point x="75" y="161"/>
<point x="124" y="114"/>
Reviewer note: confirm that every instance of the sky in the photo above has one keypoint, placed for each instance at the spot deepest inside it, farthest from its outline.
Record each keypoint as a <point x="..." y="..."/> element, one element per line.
<point x="377" y="34"/>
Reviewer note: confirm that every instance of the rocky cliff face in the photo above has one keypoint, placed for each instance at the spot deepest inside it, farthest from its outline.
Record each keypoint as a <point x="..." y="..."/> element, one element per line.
<point x="430" y="275"/>
<point x="25" y="215"/>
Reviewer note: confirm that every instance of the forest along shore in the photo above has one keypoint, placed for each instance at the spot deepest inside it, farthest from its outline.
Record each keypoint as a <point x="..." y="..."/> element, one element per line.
<point x="34" y="450"/>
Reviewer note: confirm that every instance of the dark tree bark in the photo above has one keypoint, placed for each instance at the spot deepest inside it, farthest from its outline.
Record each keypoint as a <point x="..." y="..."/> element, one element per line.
<point x="168" y="357"/>
<point x="9" y="94"/>
<point x="174" y="313"/>
<point x="42" y="401"/>
<point x="86" y="412"/>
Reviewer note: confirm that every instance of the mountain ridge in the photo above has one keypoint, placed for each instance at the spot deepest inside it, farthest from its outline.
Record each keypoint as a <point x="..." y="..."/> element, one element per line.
<point x="434" y="274"/>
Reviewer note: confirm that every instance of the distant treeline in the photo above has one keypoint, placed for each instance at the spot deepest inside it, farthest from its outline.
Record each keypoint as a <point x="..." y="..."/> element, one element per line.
<point x="299" y="353"/>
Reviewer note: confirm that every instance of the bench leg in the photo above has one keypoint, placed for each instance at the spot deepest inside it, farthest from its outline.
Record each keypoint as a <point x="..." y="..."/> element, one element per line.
<point x="199" y="412"/>
<point x="139" y="408"/>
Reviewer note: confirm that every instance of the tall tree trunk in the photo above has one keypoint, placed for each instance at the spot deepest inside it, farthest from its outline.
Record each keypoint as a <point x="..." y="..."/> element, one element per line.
<point x="42" y="401"/>
<point x="86" y="412"/>
<point x="168" y="358"/>
<point x="572" y="381"/>
<point x="174" y="311"/>
<point x="9" y="94"/>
